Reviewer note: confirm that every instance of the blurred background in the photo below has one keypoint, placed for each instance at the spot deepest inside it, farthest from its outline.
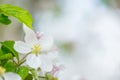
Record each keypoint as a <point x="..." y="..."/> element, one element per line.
<point x="86" y="31"/>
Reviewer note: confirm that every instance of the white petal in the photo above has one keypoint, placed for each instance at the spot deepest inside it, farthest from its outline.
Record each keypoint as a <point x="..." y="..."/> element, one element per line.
<point x="46" y="64"/>
<point x="46" y="42"/>
<point x="53" y="55"/>
<point x="22" y="47"/>
<point x="30" y="36"/>
<point x="33" y="61"/>
<point x="11" y="76"/>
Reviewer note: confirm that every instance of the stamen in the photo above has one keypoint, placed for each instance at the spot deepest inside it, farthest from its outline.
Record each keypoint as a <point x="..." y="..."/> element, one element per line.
<point x="2" y="71"/>
<point x="36" y="49"/>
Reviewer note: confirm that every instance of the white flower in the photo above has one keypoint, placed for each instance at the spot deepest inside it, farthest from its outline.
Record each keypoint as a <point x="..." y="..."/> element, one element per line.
<point x="8" y="75"/>
<point x="38" y="45"/>
<point x="56" y="71"/>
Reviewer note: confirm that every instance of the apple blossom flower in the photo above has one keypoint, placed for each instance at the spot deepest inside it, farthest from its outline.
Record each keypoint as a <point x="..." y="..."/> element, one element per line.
<point x="8" y="75"/>
<point x="56" y="70"/>
<point x="38" y="45"/>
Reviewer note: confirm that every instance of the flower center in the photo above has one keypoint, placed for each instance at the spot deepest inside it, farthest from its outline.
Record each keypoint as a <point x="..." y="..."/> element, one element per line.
<point x="2" y="71"/>
<point x="36" y="49"/>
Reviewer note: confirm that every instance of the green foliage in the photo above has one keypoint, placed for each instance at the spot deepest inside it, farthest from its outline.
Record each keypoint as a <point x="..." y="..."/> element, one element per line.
<point x="55" y="78"/>
<point x="23" y="72"/>
<point x="8" y="47"/>
<point x="10" y="66"/>
<point x="3" y="55"/>
<point x="6" y="56"/>
<point x="4" y="19"/>
<point x="21" y="14"/>
<point x="29" y="77"/>
<point x="109" y="2"/>
<point x="50" y="77"/>
<point x="34" y="73"/>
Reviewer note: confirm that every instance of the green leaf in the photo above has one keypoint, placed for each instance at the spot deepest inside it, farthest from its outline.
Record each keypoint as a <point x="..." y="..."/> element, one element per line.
<point x="6" y="56"/>
<point x="3" y="62"/>
<point x="29" y="77"/>
<point x="8" y="47"/>
<point x="10" y="66"/>
<point x="4" y="19"/>
<point x="1" y="52"/>
<point x="49" y="76"/>
<point x="21" y="14"/>
<point x="23" y="72"/>
<point x="34" y="73"/>
<point x="55" y="78"/>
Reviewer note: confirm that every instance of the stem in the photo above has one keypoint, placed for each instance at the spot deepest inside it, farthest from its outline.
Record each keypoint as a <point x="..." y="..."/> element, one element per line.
<point x="41" y="77"/>
<point x="23" y="59"/>
<point x="14" y="61"/>
<point x="21" y="62"/>
<point x="3" y="78"/>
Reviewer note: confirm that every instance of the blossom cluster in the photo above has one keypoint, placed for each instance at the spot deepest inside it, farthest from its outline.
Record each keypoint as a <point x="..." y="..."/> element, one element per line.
<point x="37" y="58"/>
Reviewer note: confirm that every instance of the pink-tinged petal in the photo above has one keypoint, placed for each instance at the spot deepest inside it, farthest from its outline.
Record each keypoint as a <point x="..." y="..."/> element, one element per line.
<point x="11" y="76"/>
<point x="22" y="47"/>
<point x="30" y="36"/>
<point x="46" y="63"/>
<point x="39" y="35"/>
<point x="56" y="70"/>
<point x="33" y="61"/>
<point x="46" y="42"/>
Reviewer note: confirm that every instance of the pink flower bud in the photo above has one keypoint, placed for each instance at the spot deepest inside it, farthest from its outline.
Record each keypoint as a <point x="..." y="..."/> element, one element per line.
<point x="39" y="35"/>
